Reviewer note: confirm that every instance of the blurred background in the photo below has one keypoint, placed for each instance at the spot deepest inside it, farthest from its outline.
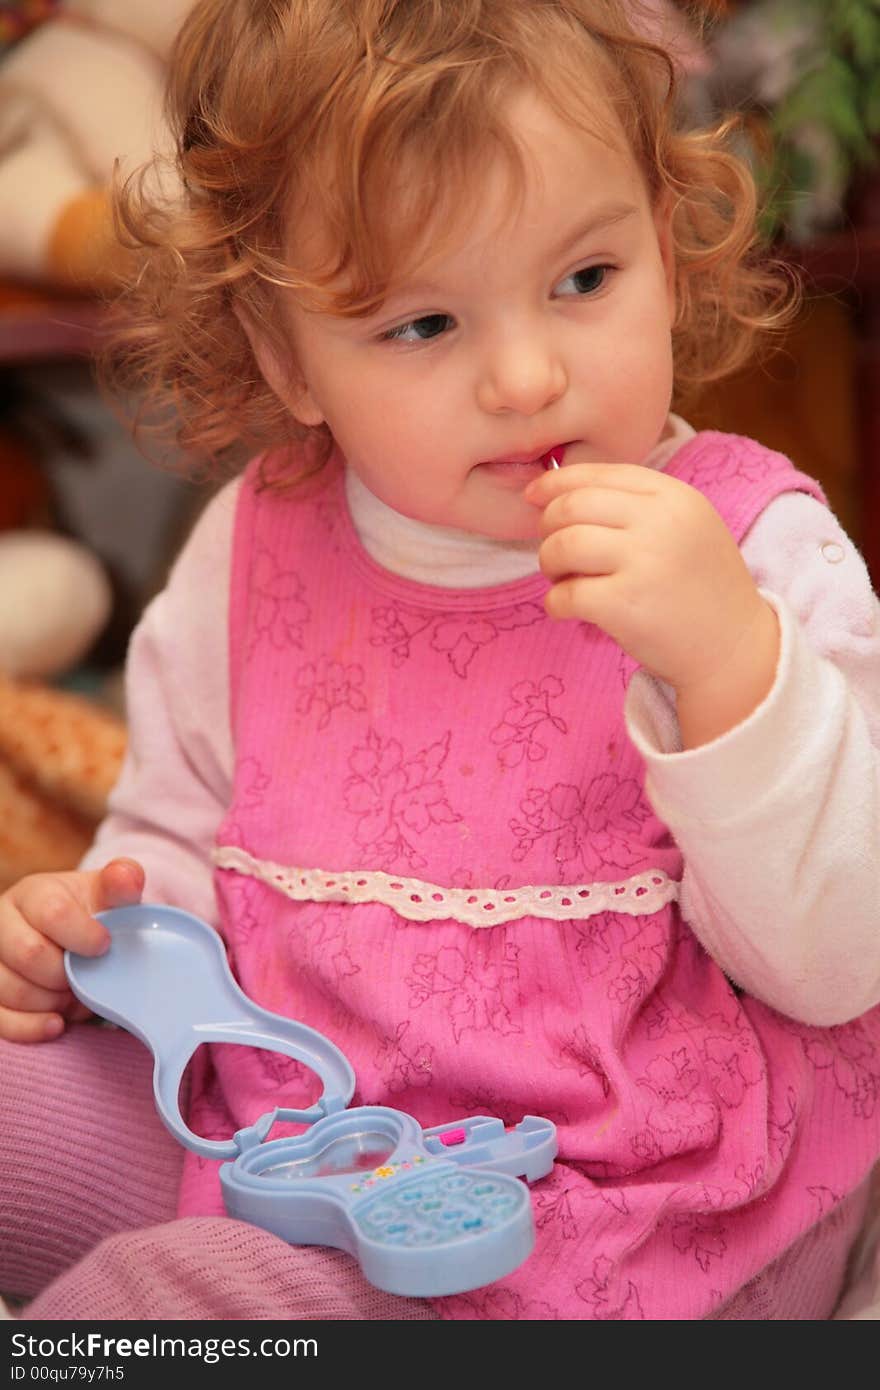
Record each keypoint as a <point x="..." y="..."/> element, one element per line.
<point x="88" y="527"/>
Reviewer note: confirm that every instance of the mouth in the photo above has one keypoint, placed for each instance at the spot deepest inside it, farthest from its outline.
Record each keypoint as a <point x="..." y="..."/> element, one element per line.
<point x="518" y="466"/>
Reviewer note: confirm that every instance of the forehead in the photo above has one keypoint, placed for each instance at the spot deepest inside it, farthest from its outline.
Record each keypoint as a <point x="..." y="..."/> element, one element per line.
<point x="428" y="207"/>
<point x="590" y="149"/>
<point x="556" y="174"/>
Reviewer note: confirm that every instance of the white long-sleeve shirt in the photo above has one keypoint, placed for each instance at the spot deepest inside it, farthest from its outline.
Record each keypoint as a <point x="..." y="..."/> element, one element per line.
<point x="778" y="820"/>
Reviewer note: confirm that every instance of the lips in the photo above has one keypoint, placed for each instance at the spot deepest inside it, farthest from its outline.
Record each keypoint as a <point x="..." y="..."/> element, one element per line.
<point x="542" y="457"/>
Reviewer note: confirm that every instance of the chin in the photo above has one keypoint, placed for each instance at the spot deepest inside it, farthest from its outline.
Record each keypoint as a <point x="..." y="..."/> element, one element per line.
<point x="525" y="530"/>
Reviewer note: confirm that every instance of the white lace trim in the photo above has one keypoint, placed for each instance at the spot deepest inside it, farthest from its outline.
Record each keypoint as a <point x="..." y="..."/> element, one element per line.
<point x="418" y="901"/>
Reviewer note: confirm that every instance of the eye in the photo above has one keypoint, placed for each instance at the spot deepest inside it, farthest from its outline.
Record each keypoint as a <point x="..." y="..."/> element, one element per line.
<point x="419" y="330"/>
<point x="587" y="280"/>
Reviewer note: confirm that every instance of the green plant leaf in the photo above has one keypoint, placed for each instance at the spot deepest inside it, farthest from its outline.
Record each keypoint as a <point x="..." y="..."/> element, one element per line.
<point x="855" y="25"/>
<point x="835" y="90"/>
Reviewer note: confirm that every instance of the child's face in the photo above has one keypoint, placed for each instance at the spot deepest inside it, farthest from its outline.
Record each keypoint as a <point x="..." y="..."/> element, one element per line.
<point x="544" y="325"/>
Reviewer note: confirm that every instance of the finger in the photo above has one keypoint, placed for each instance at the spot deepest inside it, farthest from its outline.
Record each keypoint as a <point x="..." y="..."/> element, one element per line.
<point x="580" y="597"/>
<point x="19" y="993"/>
<point x="29" y="1027"/>
<point x="119" y="883"/>
<point x="57" y="907"/>
<point x="32" y="956"/>
<point x="623" y="477"/>
<point x="597" y="506"/>
<point x="580" y="550"/>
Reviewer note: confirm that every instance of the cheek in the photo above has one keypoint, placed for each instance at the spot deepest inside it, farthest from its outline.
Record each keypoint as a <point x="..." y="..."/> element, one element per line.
<point x="651" y="348"/>
<point x="640" y="372"/>
<point x="391" y="424"/>
<point x="638" y="395"/>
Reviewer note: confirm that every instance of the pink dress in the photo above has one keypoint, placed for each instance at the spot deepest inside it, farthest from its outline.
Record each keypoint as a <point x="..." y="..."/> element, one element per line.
<point x="440" y="854"/>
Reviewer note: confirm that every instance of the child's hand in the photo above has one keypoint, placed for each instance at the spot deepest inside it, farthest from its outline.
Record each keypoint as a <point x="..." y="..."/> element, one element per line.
<point x="42" y="916"/>
<point x="649" y="560"/>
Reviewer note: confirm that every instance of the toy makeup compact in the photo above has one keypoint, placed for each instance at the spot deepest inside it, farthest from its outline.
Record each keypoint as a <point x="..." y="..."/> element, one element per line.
<point x="426" y="1212"/>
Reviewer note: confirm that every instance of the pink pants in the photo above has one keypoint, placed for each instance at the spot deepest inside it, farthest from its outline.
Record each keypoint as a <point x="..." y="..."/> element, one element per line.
<point x="88" y="1193"/>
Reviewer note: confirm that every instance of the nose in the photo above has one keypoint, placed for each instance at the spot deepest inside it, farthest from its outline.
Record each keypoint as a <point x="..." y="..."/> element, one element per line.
<point x="521" y="373"/>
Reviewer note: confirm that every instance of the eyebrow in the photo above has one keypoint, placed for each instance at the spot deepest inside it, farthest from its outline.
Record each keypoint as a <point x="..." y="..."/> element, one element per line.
<point x="598" y="220"/>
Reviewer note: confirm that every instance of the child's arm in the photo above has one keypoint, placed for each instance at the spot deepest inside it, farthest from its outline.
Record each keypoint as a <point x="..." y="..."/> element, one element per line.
<point x="175" y="783"/>
<point x="779" y="818"/>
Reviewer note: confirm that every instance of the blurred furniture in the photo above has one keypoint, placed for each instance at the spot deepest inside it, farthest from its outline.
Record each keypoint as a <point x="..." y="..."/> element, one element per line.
<point x="37" y="326"/>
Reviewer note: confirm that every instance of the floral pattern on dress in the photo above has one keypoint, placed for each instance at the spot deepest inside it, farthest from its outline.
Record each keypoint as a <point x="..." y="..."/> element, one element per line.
<point x="849" y="1055"/>
<point x="608" y="1194"/>
<point x="827" y="1201"/>
<point x="280" y="609"/>
<point x="599" y="941"/>
<point x="498" y="1304"/>
<point x="242" y="918"/>
<point x="659" y="1018"/>
<point x="319" y="944"/>
<point x="610" y="1298"/>
<point x="782" y="1125"/>
<point x="630" y="951"/>
<point x="517" y="735"/>
<point x="458" y="638"/>
<point x="639" y="966"/>
<point x="402" y="1061"/>
<point x="710" y="1197"/>
<point x="682" y="1119"/>
<point x="480" y="1100"/>
<point x="396" y="798"/>
<point x="732" y="1060"/>
<point x="216" y="1130"/>
<point x="701" y="1235"/>
<point x="253" y="782"/>
<point x="592" y="829"/>
<point x="577" y="1050"/>
<point x="327" y="685"/>
<point x="327" y="520"/>
<point x="554" y="1209"/>
<point x="290" y="1084"/>
<point x="475" y="986"/>
<point x="753" y="1181"/>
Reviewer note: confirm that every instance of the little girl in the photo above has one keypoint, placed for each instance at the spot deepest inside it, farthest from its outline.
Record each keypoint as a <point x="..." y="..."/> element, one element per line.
<point x="513" y="735"/>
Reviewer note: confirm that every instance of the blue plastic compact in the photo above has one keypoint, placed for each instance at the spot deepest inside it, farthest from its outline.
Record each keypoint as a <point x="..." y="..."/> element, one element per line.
<point x="426" y="1212"/>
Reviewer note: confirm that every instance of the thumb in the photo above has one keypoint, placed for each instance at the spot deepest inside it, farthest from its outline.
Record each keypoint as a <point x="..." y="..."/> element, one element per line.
<point x="118" y="884"/>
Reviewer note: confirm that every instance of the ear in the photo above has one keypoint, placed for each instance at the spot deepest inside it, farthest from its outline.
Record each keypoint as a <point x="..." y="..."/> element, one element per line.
<point x="280" y="372"/>
<point x="664" y="209"/>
